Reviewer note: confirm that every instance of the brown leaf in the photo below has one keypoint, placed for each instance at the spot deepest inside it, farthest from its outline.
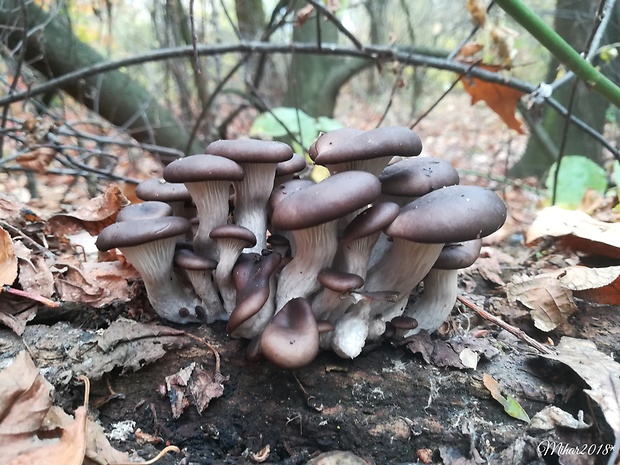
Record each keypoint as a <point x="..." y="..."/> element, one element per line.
<point x="477" y="11"/>
<point x="599" y="285"/>
<point x="501" y="99"/>
<point x="205" y="386"/>
<point x="8" y="261"/>
<point x="550" y="303"/>
<point x="576" y="230"/>
<point x="35" y="275"/>
<point x="37" y="159"/>
<point x="600" y="371"/>
<point x="303" y="14"/>
<point x="469" y="49"/>
<point x="95" y="215"/>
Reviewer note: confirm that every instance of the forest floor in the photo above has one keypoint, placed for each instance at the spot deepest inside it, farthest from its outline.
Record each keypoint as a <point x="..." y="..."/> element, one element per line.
<point x="421" y="401"/>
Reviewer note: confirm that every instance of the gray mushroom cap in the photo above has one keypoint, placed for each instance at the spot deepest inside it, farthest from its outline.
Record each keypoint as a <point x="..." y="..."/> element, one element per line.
<point x="163" y="191"/>
<point x="414" y="177"/>
<point x="370" y="221"/>
<point x="332" y="140"/>
<point x="328" y="200"/>
<point x="386" y="141"/>
<point x="339" y="281"/>
<point x="144" y="211"/>
<point x="132" y="233"/>
<point x="458" y="256"/>
<point x="198" y="168"/>
<point x="236" y="232"/>
<point x="251" y="150"/>
<point x="292" y="338"/>
<point x="189" y="260"/>
<point x="451" y="214"/>
<point x="291" y="166"/>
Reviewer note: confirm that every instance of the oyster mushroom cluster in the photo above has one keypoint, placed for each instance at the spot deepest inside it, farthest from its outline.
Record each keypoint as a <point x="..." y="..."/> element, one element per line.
<point x="297" y="266"/>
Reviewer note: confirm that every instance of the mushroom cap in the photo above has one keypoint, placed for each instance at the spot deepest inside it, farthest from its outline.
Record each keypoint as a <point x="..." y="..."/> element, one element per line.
<point x="198" y="168"/>
<point x="331" y="140"/>
<point x="285" y="189"/>
<point x="458" y="256"/>
<point x="189" y="260"/>
<point x="251" y="150"/>
<point x="330" y="199"/>
<point x="144" y="211"/>
<point x="293" y="165"/>
<point x="291" y="340"/>
<point x="339" y="281"/>
<point x="451" y="214"/>
<point x="370" y="221"/>
<point x="414" y="177"/>
<point x="404" y="322"/>
<point x="251" y="277"/>
<point x="137" y="232"/>
<point x="234" y="231"/>
<point x="387" y="141"/>
<point x="160" y="189"/>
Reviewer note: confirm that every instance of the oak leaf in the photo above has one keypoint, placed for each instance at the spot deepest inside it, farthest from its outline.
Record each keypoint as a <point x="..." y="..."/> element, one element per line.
<point x="501" y="99"/>
<point x="8" y="261"/>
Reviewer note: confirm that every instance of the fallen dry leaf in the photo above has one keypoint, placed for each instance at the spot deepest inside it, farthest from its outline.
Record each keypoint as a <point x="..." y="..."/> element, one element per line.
<point x="577" y="231"/>
<point x="598" y="285"/>
<point x="552" y="416"/>
<point x="35" y="275"/>
<point x="501" y="99"/>
<point x="8" y="260"/>
<point x="37" y="159"/>
<point x="599" y="371"/>
<point x="95" y="215"/>
<point x="195" y="382"/>
<point x="550" y="303"/>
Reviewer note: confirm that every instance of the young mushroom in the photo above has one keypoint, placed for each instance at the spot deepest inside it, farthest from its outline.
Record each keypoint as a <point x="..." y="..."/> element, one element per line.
<point x="208" y="179"/>
<point x="174" y="194"/>
<point x="231" y="239"/>
<point x="335" y="294"/>
<point x="144" y="211"/>
<point x="312" y="214"/>
<point x="149" y="246"/>
<point x="259" y="160"/>
<point x="199" y="271"/>
<point x="291" y="340"/>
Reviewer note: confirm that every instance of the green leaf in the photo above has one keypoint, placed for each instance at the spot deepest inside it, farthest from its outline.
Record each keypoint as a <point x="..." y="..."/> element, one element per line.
<point x="512" y="408"/>
<point x="326" y="124"/>
<point x="577" y="174"/>
<point x="284" y="120"/>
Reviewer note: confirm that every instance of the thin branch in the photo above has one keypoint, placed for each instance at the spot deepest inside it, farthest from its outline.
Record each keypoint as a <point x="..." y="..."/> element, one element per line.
<point x="336" y="22"/>
<point x="562" y="149"/>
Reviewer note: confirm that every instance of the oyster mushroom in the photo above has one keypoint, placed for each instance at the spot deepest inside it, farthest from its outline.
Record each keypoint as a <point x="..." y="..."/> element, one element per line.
<point x="208" y="179"/>
<point x="149" y="244"/>
<point x="259" y="160"/>
<point x="312" y="214"/>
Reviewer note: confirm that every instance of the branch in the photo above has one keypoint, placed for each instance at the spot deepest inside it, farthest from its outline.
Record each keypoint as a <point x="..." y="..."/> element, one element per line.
<point x="560" y="49"/>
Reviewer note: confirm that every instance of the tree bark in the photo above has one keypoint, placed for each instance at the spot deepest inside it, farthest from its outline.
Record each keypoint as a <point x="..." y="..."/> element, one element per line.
<point x="54" y="50"/>
<point x="573" y="21"/>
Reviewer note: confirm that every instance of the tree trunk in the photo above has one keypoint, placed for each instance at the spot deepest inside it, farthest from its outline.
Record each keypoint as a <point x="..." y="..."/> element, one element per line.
<point x="315" y="80"/>
<point x="55" y="51"/>
<point x="573" y="21"/>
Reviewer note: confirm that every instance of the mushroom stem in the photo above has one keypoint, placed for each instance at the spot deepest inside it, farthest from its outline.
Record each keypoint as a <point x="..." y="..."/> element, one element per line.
<point x="202" y="282"/>
<point x="166" y="292"/>
<point x="436" y="303"/>
<point x="351" y="331"/>
<point x="211" y="199"/>
<point x="251" y="199"/>
<point x="400" y="270"/>
<point x="315" y="248"/>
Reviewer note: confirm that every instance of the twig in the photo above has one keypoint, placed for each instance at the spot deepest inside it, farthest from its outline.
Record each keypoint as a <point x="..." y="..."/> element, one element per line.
<point x="158" y="457"/>
<point x="511" y="329"/>
<point x="336" y="22"/>
<point x="216" y="354"/>
<point x="562" y="149"/>
<point x="28" y="295"/>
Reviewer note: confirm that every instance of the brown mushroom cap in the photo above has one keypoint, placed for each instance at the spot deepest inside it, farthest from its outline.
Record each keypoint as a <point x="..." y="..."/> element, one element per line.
<point x="292" y="338"/>
<point x="294" y="165"/>
<point x="386" y="141"/>
<point x="160" y="189"/>
<point x="137" y="232"/>
<point x="451" y="214"/>
<point x="414" y="177"/>
<point x="197" y="168"/>
<point x="458" y="256"/>
<point x="251" y="150"/>
<point x="339" y="281"/>
<point x="332" y="140"/>
<point x="285" y="189"/>
<point x="234" y="231"/>
<point x="327" y="200"/>
<point x="189" y="260"/>
<point x="371" y="220"/>
<point x="144" y="211"/>
<point x="251" y="277"/>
